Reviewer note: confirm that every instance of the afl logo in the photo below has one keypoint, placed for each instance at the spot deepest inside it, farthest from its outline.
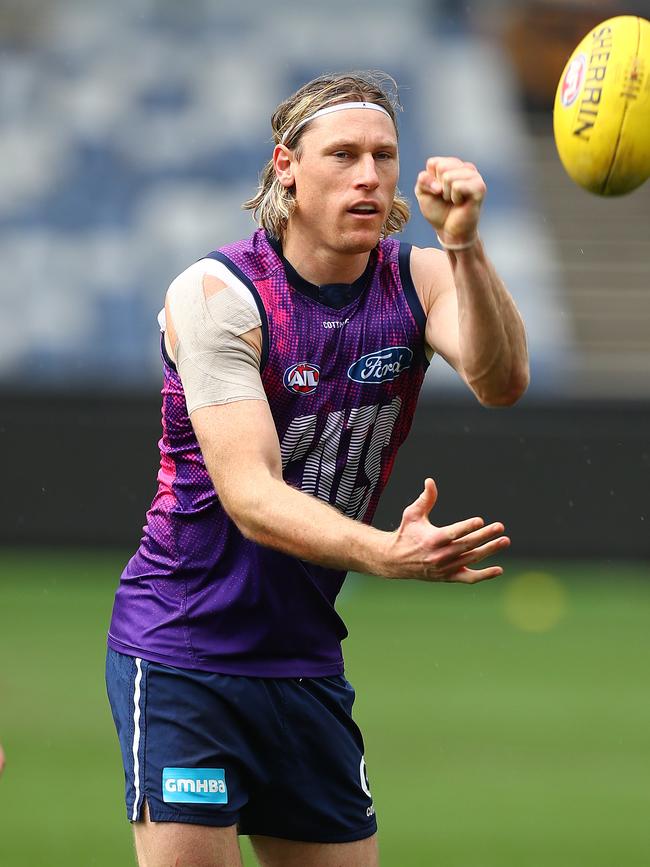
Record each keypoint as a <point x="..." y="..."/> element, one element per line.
<point x="573" y="79"/>
<point x="301" y="378"/>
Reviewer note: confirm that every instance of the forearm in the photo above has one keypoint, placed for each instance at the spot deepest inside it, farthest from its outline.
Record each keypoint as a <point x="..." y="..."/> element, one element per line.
<point x="242" y="455"/>
<point x="276" y="515"/>
<point x="489" y="349"/>
<point x="247" y="476"/>
<point x="492" y="338"/>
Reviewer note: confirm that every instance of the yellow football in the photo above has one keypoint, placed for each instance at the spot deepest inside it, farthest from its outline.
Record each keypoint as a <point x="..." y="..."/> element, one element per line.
<point x="601" y="117"/>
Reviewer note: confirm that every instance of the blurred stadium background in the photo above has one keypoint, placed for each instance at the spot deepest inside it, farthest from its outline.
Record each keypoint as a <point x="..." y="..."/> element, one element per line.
<point x="130" y="132"/>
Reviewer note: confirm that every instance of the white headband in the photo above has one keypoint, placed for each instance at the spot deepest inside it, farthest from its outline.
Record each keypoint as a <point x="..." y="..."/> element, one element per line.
<point x="341" y="106"/>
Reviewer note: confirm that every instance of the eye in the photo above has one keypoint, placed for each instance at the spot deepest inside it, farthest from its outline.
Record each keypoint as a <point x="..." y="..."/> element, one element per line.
<point x="341" y="155"/>
<point x="383" y="156"/>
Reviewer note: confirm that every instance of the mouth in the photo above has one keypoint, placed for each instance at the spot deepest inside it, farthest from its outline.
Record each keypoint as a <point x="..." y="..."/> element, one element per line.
<point x="364" y="210"/>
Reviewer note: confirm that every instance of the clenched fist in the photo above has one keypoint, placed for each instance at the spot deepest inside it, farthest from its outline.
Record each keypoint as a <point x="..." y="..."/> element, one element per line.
<point x="450" y="193"/>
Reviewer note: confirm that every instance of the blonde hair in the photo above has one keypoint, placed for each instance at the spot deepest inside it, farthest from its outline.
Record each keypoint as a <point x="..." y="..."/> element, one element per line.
<point x="273" y="203"/>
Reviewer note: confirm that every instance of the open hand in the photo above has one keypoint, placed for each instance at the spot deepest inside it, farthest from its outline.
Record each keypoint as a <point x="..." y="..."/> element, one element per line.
<point x="450" y="193"/>
<point x="423" y="551"/>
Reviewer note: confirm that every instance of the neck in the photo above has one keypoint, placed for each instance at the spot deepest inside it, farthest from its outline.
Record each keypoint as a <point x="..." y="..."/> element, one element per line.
<point x="320" y="264"/>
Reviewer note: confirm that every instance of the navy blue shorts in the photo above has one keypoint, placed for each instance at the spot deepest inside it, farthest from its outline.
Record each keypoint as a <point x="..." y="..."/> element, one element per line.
<point x="280" y="757"/>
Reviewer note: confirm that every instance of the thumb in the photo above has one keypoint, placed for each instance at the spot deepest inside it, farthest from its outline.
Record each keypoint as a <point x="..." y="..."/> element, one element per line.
<point x="421" y="507"/>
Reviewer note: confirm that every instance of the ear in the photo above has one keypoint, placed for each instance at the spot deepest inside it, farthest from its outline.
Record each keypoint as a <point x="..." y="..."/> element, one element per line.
<point x="283" y="162"/>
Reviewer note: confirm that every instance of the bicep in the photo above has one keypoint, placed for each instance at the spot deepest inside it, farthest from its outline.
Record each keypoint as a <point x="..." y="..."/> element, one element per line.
<point x="442" y="332"/>
<point x="434" y="283"/>
<point x="240" y="446"/>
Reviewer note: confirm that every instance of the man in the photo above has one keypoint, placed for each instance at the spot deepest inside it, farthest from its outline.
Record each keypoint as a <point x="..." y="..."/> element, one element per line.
<point x="293" y="361"/>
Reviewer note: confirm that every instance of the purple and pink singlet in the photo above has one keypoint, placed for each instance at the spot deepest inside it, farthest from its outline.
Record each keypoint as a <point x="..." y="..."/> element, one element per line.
<point x="342" y="384"/>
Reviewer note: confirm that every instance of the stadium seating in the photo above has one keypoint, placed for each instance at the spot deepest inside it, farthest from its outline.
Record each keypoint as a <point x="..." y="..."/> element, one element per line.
<point x="131" y="133"/>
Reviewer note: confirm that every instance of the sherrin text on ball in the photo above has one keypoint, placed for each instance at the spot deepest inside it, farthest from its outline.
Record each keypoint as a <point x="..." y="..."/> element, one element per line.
<point x="601" y="117"/>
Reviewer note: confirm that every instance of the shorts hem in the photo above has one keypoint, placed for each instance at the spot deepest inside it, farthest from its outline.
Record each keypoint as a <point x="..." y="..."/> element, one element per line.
<point x="298" y="837"/>
<point x="217" y="820"/>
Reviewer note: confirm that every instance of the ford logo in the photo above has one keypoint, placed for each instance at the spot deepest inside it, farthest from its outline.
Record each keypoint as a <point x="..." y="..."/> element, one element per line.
<point x="381" y="366"/>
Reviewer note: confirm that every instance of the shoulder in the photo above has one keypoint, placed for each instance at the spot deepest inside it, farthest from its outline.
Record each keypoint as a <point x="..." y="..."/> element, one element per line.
<point x="207" y="277"/>
<point x="255" y="256"/>
<point x="195" y="275"/>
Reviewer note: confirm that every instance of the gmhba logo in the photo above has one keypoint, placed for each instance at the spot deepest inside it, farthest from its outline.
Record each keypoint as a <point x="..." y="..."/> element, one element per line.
<point x="194" y="786"/>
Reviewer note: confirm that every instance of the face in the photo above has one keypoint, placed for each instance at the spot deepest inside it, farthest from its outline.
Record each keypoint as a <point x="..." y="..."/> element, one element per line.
<point x="345" y="179"/>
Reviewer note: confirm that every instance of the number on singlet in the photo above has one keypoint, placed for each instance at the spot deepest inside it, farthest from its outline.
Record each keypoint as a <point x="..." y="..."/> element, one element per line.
<point x="371" y="425"/>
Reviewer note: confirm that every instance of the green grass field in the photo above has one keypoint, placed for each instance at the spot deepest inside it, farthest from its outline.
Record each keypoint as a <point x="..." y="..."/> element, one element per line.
<point x="506" y="725"/>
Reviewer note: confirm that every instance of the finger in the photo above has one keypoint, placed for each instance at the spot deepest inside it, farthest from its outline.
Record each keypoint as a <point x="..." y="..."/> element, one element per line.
<point x="467" y="189"/>
<point x="438" y="177"/>
<point x="462" y="528"/>
<point x="474" y="576"/>
<point x="476" y="538"/>
<point x="458" y="184"/>
<point x="455" y="187"/>
<point x="426" y="501"/>
<point x="450" y="562"/>
<point x="438" y="165"/>
<point x="427" y="183"/>
<point x="421" y="507"/>
<point x="451" y="177"/>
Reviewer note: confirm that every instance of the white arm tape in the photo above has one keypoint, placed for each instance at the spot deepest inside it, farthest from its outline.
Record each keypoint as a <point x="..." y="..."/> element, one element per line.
<point x="215" y="364"/>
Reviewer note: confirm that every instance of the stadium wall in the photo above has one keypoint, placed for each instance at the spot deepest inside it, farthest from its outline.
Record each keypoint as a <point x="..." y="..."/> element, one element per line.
<point x="567" y="479"/>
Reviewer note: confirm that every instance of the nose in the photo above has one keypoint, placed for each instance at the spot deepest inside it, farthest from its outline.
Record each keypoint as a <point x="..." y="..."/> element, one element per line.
<point x="367" y="176"/>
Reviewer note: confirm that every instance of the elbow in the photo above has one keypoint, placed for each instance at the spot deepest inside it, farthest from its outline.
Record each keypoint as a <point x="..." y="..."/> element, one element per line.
<point x="245" y="508"/>
<point x="247" y="527"/>
<point x="508" y="394"/>
<point x="242" y="514"/>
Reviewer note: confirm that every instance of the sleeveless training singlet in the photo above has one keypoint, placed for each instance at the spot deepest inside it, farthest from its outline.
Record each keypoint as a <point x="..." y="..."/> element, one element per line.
<point x="342" y="384"/>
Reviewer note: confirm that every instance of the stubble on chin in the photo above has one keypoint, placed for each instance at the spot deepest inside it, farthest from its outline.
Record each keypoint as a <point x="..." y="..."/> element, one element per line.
<point x="351" y="243"/>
